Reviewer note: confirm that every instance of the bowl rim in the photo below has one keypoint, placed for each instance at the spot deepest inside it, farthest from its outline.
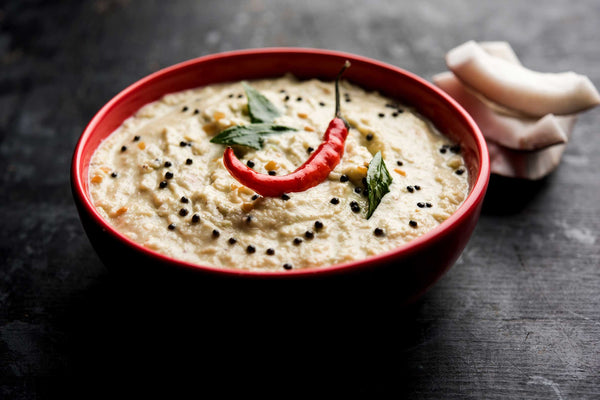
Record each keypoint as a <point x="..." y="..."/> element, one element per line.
<point x="473" y="199"/>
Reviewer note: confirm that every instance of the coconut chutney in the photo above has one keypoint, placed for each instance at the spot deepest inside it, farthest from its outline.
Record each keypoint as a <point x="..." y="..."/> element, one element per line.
<point x="160" y="181"/>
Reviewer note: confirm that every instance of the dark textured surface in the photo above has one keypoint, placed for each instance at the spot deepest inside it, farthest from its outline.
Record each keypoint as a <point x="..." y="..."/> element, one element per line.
<point x="518" y="316"/>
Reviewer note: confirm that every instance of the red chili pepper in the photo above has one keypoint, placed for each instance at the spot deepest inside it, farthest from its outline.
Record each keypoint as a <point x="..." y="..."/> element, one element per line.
<point x="314" y="171"/>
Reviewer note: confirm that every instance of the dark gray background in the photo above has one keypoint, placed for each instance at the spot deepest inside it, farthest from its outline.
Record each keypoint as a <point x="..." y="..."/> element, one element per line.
<point x="518" y="316"/>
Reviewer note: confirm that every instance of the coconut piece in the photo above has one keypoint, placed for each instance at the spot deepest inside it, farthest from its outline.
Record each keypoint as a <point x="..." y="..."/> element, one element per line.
<point x="518" y="88"/>
<point x="531" y="165"/>
<point x="504" y="51"/>
<point x="518" y="133"/>
<point x="501" y="50"/>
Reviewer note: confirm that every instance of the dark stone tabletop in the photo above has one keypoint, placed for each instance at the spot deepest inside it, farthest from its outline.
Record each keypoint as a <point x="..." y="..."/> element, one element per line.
<point x="518" y="315"/>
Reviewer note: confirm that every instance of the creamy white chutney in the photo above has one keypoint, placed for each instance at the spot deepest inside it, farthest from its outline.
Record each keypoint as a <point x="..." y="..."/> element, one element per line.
<point x="160" y="181"/>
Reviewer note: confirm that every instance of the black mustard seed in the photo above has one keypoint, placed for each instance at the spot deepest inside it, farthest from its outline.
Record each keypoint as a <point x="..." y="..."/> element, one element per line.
<point x="184" y="199"/>
<point x="344" y="178"/>
<point x="168" y="164"/>
<point x="183" y="212"/>
<point x="232" y="240"/>
<point x="250" y="249"/>
<point x="297" y="241"/>
<point x="163" y="184"/>
<point x="287" y="266"/>
<point x="270" y="251"/>
<point x="250" y="163"/>
<point x="124" y="148"/>
<point x="413" y="223"/>
<point x="195" y="218"/>
<point x="335" y="200"/>
<point x="171" y="227"/>
<point x="168" y="175"/>
<point x="378" y="232"/>
<point x="216" y="233"/>
<point x="189" y="161"/>
<point x="318" y="225"/>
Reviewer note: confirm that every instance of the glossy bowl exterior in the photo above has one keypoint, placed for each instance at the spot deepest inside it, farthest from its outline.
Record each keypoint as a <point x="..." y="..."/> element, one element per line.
<point x="412" y="267"/>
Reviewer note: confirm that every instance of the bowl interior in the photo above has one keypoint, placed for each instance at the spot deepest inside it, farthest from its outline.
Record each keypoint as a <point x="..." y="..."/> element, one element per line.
<point x="394" y="82"/>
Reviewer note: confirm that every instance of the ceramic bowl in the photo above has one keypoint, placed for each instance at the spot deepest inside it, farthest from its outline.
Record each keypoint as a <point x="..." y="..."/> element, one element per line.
<point x="412" y="268"/>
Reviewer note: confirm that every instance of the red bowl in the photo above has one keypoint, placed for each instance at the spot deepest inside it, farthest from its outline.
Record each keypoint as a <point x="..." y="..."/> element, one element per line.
<point x="412" y="268"/>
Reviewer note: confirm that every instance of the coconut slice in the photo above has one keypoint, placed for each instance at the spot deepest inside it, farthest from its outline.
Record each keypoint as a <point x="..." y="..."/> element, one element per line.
<point x="518" y="133"/>
<point x="501" y="50"/>
<point x="531" y="165"/>
<point x="516" y="87"/>
<point x="504" y="51"/>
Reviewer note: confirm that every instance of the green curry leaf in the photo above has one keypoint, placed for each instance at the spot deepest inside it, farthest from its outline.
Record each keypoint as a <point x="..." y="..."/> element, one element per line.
<point x="261" y="110"/>
<point x="378" y="182"/>
<point x="251" y="135"/>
